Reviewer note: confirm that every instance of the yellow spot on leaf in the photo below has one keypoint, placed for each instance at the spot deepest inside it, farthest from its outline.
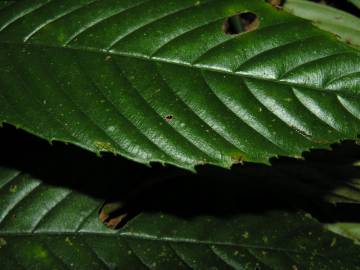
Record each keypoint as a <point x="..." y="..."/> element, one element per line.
<point x="13" y="188"/>
<point x="357" y="164"/>
<point x="40" y="252"/>
<point x="68" y="241"/>
<point x="333" y="242"/>
<point x="265" y="239"/>
<point x="246" y="235"/>
<point x="2" y="242"/>
<point x="104" y="146"/>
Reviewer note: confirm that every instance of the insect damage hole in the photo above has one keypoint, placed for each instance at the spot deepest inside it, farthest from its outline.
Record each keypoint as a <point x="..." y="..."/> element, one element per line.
<point x="239" y="23"/>
<point x="168" y="118"/>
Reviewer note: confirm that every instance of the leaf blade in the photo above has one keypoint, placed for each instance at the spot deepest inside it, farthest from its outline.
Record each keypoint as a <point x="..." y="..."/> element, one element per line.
<point x="134" y="102"/>
<point x="71" y="236"/>
<point x="328" y="18"/>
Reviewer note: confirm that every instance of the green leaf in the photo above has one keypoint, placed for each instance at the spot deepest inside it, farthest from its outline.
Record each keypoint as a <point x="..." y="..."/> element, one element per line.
<point x="355" y="2"/>
<point x="336" y="21"/>
<point x="47" y="227"/>
<point x="160" y="80"/>
<point x="349" y="230"/>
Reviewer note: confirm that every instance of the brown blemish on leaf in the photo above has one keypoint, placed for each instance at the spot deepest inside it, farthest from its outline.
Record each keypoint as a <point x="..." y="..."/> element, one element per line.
<point x="107" y="209"/>
<point x="276" y="3"/>
<point x="113" y="223"/>
<point x="294" y="267"/>
<point x="109" y="216"/>
<point x="108" y="58"/>
<point x="239" y="23"/>
<point x="348" y="41"/>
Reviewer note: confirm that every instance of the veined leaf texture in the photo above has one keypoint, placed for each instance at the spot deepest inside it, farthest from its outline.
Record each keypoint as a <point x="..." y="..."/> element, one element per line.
<point x="161" y="81"/>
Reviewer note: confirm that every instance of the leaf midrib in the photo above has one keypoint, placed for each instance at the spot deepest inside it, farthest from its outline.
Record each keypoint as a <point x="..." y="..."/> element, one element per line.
<point x="201" y="68"/>
<point x="155" y="239"/>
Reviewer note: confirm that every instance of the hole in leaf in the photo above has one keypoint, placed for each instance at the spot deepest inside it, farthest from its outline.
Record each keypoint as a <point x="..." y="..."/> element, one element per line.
<point x="114" y="215"/>
<point x="169" y="117"/>
<point x="239" y="23"/>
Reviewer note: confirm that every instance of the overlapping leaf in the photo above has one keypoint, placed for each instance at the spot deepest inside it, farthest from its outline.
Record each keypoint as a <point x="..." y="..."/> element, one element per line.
<point x="46" y="227"/>
<point x="161" y="81"/>
<point x="355" y="2"/>
<point x="328" y="18"/>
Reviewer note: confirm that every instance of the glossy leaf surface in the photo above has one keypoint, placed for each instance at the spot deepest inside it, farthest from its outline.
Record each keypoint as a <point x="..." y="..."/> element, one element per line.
<point x="161" y="81"/>
<point x="336" y="21"/>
